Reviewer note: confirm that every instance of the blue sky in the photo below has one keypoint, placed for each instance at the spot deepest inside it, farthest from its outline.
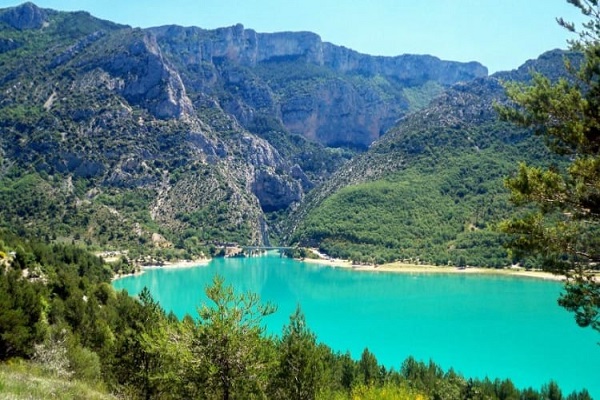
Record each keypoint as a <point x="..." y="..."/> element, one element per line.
<point x="501" y="34"/>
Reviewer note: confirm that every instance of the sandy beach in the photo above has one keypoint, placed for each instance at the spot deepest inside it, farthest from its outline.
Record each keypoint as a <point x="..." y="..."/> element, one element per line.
<point x="404" y="268"/>
<point x="395" y="267"/>
<point x="200" y="262"/>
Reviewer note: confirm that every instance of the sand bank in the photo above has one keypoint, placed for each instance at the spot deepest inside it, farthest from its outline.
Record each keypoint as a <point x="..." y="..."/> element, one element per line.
<point x="399" y="267"/>
<point x="200" y="262"/>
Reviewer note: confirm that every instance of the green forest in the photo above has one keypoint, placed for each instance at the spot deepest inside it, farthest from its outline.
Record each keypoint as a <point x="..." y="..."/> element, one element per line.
<point x="66" y="332"/>
<point x="436" y="210"/>
<point x="124" y="140"/>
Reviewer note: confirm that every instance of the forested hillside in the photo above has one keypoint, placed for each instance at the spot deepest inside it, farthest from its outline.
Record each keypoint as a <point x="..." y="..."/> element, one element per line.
<point x="65" y="332"/>
<point x="170" y="140"/>
<point x="431" y="190"/>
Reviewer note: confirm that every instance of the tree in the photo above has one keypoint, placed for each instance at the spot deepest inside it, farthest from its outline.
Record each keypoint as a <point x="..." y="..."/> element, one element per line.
<point x="563" y="229"/>
<point x="229" y="344"/>
<point x="138" y="363"/>
<point x="21" y="322"/>
<point x="300" y="365"/>
<point x="369" y="368"/>
<point x="552" y="391"/>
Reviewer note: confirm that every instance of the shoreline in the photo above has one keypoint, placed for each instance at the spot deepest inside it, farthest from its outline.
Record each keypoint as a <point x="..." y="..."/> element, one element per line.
<point x="199" y="262"/>
<point x="404" y="268"/>
<point x="395" y="267"/>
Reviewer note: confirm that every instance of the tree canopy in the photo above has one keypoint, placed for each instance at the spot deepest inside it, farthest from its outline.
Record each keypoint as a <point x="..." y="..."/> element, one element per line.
<point x="562" y="223"/>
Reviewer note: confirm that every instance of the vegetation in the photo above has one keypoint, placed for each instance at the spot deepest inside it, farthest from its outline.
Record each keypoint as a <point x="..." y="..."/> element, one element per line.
<point x="440" y="204"/>
<point x="86" y="165"/>
<point x="419" y="97"/>
<point x="21" y="380"/>
<point x="563" y="229"/>
<point x="429" y="219"/>
<point x="65" y="332"/>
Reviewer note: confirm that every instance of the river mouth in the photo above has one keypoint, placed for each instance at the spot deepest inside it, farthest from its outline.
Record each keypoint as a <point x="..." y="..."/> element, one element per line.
<point x="480" y="325"/>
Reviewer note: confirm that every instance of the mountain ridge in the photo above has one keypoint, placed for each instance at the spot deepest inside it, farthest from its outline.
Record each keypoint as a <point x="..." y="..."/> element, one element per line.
<point x="250" y="48"/>
<point x="459" y="150"/>
<point x="303" y="113"/>
<point x="199" y="136"/>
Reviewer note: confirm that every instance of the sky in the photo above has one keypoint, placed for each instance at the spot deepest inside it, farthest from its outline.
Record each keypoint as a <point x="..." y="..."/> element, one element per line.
<point x="500" y="34"/>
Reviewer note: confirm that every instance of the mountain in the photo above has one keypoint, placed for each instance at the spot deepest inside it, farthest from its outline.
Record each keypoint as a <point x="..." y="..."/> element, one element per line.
<point x="430" y="190"/>
<point x="326" y="93"/>
<point x="176" y="138"/>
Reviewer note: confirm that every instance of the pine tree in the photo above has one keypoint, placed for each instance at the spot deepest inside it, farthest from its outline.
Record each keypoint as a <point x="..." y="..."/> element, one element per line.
<point x="230" y="343"/>
<point x="300" y="365"/>
<point x="563" y="231"/>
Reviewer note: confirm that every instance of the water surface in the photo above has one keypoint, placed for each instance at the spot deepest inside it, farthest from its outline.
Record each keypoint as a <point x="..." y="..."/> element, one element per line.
<point x="495" y="326"/>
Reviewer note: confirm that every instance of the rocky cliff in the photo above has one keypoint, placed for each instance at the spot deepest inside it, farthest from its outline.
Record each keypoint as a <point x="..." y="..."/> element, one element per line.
<point x="249" y="48"/>
<point x="194" y="134"/>
<point x="435" y="178"/>
<point x="327" y="93"/>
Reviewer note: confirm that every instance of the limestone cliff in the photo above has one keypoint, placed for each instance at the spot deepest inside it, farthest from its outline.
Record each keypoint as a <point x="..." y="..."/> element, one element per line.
<point x="194" y="134"/>
<point x="327" y="93"/>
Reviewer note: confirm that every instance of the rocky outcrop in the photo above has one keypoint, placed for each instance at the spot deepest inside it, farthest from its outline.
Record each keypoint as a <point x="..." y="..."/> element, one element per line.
<point x="274" y="192"/>
<point x="148" y="79"/>
<point x="551" y="64"/>
<point x="332" y="95"/>
<point x="25" y="16"/>
<point x="77" y="48"/>
<point x="339" y="114"/>
<point x="272" y="181"/>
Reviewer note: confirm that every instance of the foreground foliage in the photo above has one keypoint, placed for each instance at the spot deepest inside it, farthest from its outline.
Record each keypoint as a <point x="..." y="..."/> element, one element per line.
<point x="59" y="311"/>
<point x="26" y="380"/>
<point x="563" y="229"/>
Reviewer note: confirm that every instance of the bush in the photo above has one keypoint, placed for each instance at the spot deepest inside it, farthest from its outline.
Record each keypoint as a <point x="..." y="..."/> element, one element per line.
<point x="85" y="364"/>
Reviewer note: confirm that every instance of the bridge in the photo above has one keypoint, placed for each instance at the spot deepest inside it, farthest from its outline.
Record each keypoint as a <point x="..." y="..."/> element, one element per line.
<point x="266" y="248"/>
<point x="253" y="250"/>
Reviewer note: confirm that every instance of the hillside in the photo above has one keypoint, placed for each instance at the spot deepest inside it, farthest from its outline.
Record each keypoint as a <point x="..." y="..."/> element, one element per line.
<point x="175" y="139"/>
<point x="66" y="333"/>
<point x="28" y="381"/>
<point x="430" y="190"/>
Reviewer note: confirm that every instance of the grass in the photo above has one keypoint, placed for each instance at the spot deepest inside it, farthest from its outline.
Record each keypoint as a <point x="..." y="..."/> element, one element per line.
<point x="26" y="380"/>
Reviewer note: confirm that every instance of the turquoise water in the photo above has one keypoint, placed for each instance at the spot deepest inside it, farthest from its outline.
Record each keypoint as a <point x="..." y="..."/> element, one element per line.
<point x="493" y="326"/>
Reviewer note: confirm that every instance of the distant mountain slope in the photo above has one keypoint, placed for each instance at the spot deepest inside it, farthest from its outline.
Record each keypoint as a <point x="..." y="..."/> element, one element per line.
<point x="182" y="137"/>
<point x="432" y="187"/>
<point x="293" y="80"/>
<point x="101" y="142"/>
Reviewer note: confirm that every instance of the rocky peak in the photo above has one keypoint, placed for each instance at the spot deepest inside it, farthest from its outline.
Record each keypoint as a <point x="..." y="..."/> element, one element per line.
<point x="149" y="80"/>
<point x="409" y="68"/>
<point x="551" y="64"/>
<point x="247" y="47"/>
<point x="25" y="16"/>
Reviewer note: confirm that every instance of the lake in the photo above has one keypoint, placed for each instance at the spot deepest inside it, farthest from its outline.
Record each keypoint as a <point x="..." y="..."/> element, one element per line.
<point x="480" y="325"/>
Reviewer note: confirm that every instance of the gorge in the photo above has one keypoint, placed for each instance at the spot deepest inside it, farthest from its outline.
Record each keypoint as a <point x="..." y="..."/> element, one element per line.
<point x="123" y="148"/>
